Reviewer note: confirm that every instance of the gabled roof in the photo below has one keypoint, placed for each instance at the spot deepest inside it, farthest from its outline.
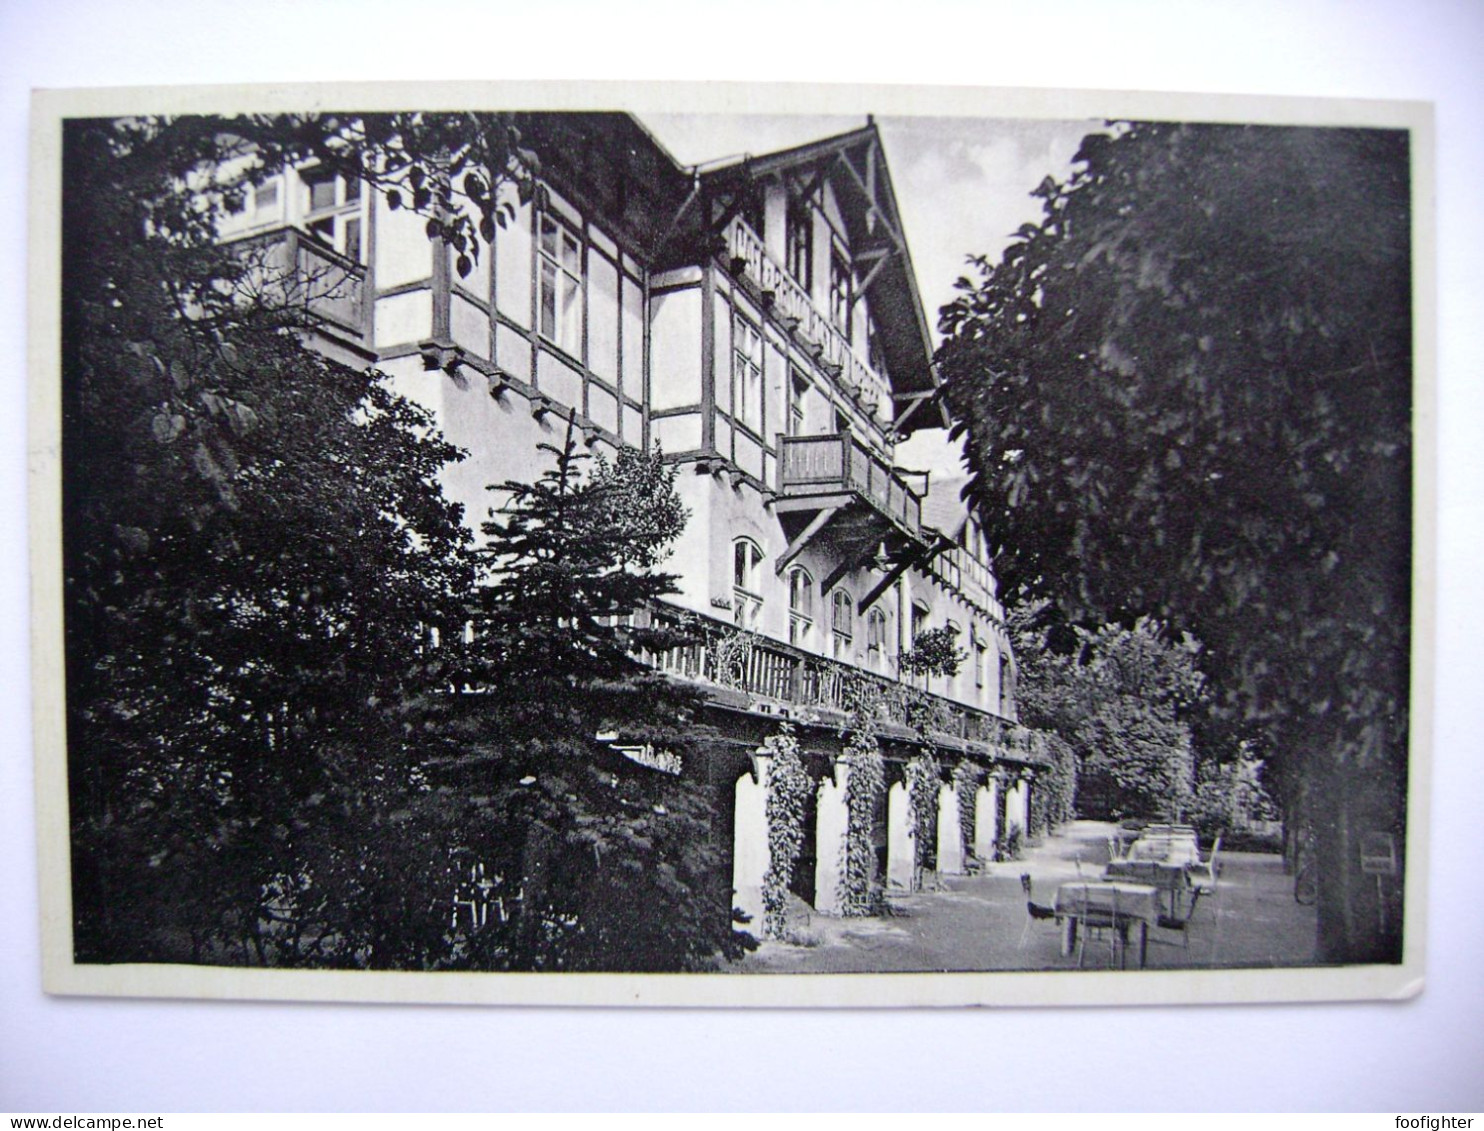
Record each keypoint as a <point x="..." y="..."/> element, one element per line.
<point x="610" y="164"/>
<point x="855" y="165"/>
<point x="612" y="167"/>
<point x="943" y="507"/>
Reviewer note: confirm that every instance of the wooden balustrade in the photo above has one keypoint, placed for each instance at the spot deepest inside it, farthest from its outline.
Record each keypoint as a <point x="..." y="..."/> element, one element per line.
<point x="757" y="665"/>
<point x="840" y="462"/>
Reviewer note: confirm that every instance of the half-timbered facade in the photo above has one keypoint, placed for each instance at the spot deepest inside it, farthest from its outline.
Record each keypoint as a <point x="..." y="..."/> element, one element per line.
<point x="759" y="323"/>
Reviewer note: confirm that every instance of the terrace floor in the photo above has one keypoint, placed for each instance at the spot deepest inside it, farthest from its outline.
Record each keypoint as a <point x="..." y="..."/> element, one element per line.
<point x="970" y="923"/>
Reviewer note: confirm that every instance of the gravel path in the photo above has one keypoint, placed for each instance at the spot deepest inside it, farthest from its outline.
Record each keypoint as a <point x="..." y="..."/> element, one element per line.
<point x="970" y="923"/>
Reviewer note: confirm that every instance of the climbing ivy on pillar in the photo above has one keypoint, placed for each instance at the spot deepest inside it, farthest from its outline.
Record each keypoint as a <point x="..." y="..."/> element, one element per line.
<point x="788" y="793"/>
<point x="921" y="775"/>
<point x="865" y="787"/>
<point x="966" y="777"/>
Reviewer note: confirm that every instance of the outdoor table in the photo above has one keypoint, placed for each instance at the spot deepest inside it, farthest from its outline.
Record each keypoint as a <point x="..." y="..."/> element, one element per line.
<point x="1173" y="879"/>
<point x="1166" y="849"/>
<point x="1136" y="903"/>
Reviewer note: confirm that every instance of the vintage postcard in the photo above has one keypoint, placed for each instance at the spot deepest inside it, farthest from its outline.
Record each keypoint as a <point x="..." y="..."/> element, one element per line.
<point x="731" y="545"/>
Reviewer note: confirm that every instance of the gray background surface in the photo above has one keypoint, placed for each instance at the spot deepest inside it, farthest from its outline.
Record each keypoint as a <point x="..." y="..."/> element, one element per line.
<point x="59" y="1055"/>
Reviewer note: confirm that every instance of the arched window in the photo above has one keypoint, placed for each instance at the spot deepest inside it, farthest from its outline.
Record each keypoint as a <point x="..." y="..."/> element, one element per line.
<point x="747" y="586"/>
<point x="842" y="623"/>
<point x="800" y="606"/>
<point x="876" y="639"/>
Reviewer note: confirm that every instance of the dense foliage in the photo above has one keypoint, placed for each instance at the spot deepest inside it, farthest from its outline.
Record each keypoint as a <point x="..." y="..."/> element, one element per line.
<point x="920" y="776"/>
<point x="934" y="651"/>
<point x="1116" y="710"/>
<point x="1187" y="396"/>
<point x="788" y="792"/>
<point x="297" y="727"/>
<point x="865" y="792"/>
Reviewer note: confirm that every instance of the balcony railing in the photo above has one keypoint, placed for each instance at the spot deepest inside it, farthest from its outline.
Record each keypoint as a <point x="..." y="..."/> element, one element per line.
<point x="839" y="462"/>
<point x="301" y="269"/>
<point x="727" y="657"/>
<point x="960" y="570"/>
<point x="750" y="258"/>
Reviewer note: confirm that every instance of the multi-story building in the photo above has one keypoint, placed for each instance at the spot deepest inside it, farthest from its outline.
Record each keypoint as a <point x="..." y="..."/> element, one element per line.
<point x="758" y="322"/>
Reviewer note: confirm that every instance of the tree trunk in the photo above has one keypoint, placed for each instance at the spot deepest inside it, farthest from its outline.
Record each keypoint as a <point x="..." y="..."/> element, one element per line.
<point x="1360" y="912"/>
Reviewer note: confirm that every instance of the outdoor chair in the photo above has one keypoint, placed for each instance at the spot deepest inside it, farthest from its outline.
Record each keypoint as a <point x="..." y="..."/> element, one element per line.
<point x="1104" y="921"/>
<point x="1181" y="923"/>
<point x="1203" y="875"/>
<point x="1034" y="911"/>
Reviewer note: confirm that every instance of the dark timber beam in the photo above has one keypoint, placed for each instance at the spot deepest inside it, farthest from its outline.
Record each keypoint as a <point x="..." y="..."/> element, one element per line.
<point x="916" y="402"/>
<point x="674" y="225"/>
<point x="733" y="207"/>
<point x="873" y="203"/>
<point x="870" y="278"/>
<point x="849" y="565"/>
<point x="796" y="547"/>
<point x="904" y="563"/>
<point x="813" y="186"/>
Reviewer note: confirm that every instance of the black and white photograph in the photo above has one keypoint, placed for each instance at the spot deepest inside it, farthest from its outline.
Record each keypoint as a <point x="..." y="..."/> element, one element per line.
<point x="792" y="551"/>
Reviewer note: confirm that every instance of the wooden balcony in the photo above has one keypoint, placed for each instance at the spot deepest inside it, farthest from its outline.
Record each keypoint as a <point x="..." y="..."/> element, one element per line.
<point x="296" y="268"/>
<point x="839" y="463"/>
<point x="769" y="672"/>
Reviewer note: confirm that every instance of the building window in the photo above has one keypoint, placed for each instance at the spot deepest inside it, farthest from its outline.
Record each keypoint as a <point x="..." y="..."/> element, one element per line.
<point x="800" y="606"/>
<point x="920" y="614"/>
<point x="798" y="390"/>
<point x="265" y="197"/>
<point x="747" y="374"/>
<point x="747" y="601"/>
<point x="332" y="209"/>
<point x="875" y="355"/>
<point x="842" y="623"/>
<point x="559" y="271"/>
<point x="876" y="639"/>
<point x="799" y="241"/>
<point x="1007" y="691"/>
<point x="980" y="655"/>
<point x="840" y="286"/>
